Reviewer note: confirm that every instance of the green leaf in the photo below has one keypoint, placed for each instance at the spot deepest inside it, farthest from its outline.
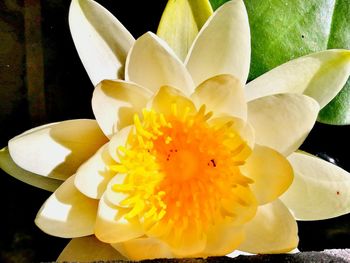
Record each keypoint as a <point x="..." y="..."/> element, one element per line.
<point x="337" y="112"/>
<point x="181" y="22"/>
<point x="284" y="30"/>
<point x="217" y="3"/>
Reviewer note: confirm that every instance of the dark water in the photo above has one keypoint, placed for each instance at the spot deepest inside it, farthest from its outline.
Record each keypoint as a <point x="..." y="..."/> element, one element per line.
<point x="67" y="95"/>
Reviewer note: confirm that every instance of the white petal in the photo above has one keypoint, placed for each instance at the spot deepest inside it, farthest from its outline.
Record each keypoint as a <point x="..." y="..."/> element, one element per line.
<point x="222" y="94"/>
<point x="101" y="40"/>
<point x="152" y="64"/>
<point x="271" y="172"/>
<point x="93" y="176"/>
<point x="244" y="129"/>
<point x="9" y="166"/>
<point x="119" y="139"/>
<point x="67" y="212"/>
<point x="115" y="102"/>
<point x="222" y="240"/>
<point x="166" y="97"/>
<point x="88" y="249"/>
<point x="111" y="225"/>
<point x="272" y="230"/>
<point x="57" y="150"/>
<point x="282" y="121"/>
<point x="222" y="45"/>
<point x="320" y="189"/>
<point x="320" y="75"/>
<point x="143" y="248"/>
<point x="181" y="21"/>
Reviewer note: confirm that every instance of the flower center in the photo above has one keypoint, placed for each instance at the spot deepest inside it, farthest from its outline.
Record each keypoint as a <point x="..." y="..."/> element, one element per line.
<point x="182" y="172"/>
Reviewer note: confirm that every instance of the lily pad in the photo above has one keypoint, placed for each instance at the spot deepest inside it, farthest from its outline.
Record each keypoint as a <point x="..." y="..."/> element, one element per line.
<point x="284" y="30"/>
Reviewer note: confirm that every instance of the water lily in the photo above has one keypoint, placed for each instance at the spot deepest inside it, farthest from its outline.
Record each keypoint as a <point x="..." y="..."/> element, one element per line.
<point x="182" y="159"/>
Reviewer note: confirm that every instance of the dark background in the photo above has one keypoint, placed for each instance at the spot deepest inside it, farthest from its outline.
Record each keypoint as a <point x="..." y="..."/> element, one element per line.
<point x="42" y="80"/>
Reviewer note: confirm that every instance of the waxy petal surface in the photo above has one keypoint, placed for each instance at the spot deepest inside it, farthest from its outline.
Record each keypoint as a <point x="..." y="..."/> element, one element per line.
<point x="152" y="64"/>
<point x="143" y="248"/>
<point x="168" y="96"/>
<point x="320" y="189"/>
<point x="67" y="213"/>
<point x="271" y="172"/>
<point x="57" y="150"/>
<point x="93" y="176"/>
<point x="88" y="249"/>
<point x="222" y="240"/>
<point x="101" y="40"/>
<point x="222" y="94"/>
<point x="181" y="22"/>
<point x="9" y="166"/>
<point x="319" y="75"/>
<point x="222" y="45"/>
<point x="115" y="102"/>
<point x="111" y="225"/>
<point x="272" y="230"/>
<point x="282" y="121"/>
<point x="119" y="139"/>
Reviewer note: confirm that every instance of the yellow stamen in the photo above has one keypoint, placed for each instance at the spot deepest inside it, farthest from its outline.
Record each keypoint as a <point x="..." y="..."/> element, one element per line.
<point x="182" y="173"/>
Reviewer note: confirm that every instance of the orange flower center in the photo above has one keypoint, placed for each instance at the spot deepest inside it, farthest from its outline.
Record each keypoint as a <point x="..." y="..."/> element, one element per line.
<point x="182" y="173"/>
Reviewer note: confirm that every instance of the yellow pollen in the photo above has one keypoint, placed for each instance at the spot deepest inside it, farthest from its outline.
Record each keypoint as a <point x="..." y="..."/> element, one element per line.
<point x="182" y="172"/>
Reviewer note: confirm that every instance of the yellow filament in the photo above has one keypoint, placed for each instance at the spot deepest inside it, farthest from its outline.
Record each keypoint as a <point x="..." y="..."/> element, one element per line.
<point x="183" y="173"/>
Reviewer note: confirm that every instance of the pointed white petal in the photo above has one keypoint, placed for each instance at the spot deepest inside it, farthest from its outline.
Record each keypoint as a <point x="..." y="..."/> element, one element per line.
<point x="9" y="166"/>
<point x="152" y="64"/>
<point x="57" y="150"/>
<point x="101" y="40"/>
<point x="282" y="121"/>
<point x="88" y="249"/>
<point x="320" y="75"/>
<point x="222" y="45"/>
<point x="67" y="212"/>
<point x="320" y="189"/>
<point x="115" y="102"/>
<point x="272" y="230"/>
<point x="93" y="176"/>
<point x="180" y="23"/>
<point x="222" y="94"/>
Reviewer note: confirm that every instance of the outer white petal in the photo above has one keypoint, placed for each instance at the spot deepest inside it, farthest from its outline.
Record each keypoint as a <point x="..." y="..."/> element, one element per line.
<point x="152" y="64"/>
<point x="57" y="150"/>
<point x="222" y="94"/>
<point x="272" y="230"/>
<point x="88" y="249"/>
<point x="9" y="166"/>
<point x="93" y="176"/>
<point x="282" y="121"/>
<point x="101" y="40"/>
<point x="222" y="45"/>
<point x="320" y="189"/>
<point x="320" y="75"/>
<point x="114" y="103"/>
<point x="67" y="212"/>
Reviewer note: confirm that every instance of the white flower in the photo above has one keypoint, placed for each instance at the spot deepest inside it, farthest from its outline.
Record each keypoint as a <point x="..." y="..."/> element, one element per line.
<point x="162" y="135"/>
